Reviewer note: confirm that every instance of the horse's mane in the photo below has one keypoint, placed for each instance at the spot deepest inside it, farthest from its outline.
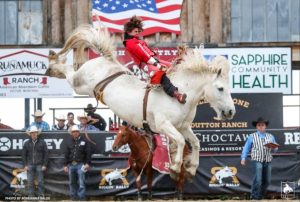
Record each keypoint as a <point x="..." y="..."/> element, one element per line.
<point x="86" y="36"/>
<point x="193" y="60"/>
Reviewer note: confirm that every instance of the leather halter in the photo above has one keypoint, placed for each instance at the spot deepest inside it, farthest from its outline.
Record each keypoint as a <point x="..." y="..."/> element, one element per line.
<point x="99" y="88"/>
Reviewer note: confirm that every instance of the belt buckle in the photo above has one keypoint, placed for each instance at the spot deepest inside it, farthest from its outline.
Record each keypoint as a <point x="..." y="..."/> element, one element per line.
<point x="74" y="163"/>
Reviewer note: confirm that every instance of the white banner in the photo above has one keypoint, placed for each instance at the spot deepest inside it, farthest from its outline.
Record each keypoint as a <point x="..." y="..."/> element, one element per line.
<point x="257" y="70"/>
<point x="22" y="75"/>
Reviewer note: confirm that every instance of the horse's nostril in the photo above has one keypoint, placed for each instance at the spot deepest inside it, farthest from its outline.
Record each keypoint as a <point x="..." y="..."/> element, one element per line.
<point x="230" y="112"/>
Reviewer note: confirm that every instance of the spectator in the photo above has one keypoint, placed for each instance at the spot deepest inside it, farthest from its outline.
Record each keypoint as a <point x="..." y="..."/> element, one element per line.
<point x="83" y="125"/>
<point x="70" y="118"/>
<point x="95" y="119"/>
<point x="35" y="158"/>
<point x="260" y="143"/>
<point x="60" y="123"/>
<point x="38" y="121"/>
<point x="77" y="158"/>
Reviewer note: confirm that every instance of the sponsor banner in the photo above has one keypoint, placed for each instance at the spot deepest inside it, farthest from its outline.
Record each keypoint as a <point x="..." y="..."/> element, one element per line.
<point x="22" y="75"/>
<point x="258" y="70"/>
<point x="252" y="70"/>
<point x="249" y="106"/>
<point x="111" y="177"/>
<point x="233" y="141"/>
<point x="227" y="141"/>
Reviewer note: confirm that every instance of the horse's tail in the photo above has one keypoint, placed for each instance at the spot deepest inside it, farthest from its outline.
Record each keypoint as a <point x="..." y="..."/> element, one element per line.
<point x="86" y="36"/>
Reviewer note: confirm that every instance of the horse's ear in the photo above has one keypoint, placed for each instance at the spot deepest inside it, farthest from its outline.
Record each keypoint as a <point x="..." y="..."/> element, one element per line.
<point x="51" y="53"/>
<point x="219" y="72"/>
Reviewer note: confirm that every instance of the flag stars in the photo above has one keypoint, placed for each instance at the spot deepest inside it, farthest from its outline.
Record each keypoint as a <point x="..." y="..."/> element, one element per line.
<point x="131" y="1"/>
<point x="113" y="8"/>
<point x="105" y="5"/>
<point x="97" y="2"/>
<point x="144" y="5"/>
<point x="139" y="6"/>
<point x="151" y="9"/>
<point x="125" y="5"/>
<point x="117" y="2"/>
<point x="149" y="2"/>
<point x="98" y="8"/>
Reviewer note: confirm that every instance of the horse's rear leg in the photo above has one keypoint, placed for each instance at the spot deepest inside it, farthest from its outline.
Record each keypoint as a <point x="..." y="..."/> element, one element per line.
<point x="167" y="128"/>
<point x="191" y="162"/>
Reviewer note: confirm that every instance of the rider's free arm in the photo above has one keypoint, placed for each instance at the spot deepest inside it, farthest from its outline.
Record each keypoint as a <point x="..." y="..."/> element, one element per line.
<point x="247" y="147"/>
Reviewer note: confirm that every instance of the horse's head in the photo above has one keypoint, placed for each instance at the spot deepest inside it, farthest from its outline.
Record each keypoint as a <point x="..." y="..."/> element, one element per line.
<point x="55" y="61"/>
<point x="122" y="138"/>
<point x="217" y="92"/>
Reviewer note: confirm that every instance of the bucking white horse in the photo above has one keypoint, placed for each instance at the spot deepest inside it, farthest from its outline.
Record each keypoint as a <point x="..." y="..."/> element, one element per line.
<point x="124" y="95"/>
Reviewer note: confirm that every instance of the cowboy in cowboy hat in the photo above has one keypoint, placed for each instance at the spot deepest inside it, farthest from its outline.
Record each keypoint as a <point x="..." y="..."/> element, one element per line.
<point x="35" y="158"/>
<point x="259" y="145"/>
<point x="142" y="54"/>
<point x="83" y="125"/>
<point x="76" y="162"/>
<point x="61" y="119"/>
<point x="260" y="120"/>
<point x="95" y="119"/>
<point x="38" y="121"/>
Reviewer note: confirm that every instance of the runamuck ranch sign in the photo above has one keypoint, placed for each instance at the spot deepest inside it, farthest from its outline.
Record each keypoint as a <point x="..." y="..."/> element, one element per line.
<point x="22" y="74"/>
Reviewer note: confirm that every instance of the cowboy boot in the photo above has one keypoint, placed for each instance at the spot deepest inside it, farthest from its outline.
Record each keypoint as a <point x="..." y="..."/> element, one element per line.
<point x="181" y="97"/>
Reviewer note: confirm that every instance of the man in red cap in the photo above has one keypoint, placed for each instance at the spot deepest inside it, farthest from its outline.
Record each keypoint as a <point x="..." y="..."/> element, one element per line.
<point x="142" y="54"/>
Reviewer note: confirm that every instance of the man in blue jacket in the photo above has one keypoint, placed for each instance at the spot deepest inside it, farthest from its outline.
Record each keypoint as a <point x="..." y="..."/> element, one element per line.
<point x="261" y="144"/>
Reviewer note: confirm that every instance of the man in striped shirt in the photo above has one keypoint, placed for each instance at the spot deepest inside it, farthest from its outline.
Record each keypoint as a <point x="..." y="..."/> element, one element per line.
<point x="260" y="144"/>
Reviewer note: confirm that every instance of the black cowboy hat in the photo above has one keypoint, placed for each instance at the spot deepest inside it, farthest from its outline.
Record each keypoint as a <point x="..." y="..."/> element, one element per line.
<point x="90" y="108"/>
<point x="260" y="120"/>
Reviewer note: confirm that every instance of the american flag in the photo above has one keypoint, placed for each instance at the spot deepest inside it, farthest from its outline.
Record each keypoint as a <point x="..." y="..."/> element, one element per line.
<point x="157" y="15"/>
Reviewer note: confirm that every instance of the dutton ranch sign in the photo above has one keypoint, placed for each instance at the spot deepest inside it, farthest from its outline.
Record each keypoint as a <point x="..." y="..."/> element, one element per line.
<point x="22" y="74"/>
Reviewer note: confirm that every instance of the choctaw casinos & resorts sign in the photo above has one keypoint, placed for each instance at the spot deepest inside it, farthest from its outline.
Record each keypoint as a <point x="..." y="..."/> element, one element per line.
<point x="257" y="70"/>
<point x="22" y="75"/>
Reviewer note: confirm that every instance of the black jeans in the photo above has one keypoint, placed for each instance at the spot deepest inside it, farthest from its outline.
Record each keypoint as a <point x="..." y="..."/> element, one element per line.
<point x="168" y="87"/>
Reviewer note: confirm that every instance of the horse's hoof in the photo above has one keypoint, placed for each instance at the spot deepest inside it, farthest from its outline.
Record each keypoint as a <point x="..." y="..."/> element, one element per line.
<point x="139" y="196"/>
<point x="175" y="169"/>
<point x="149" y="197"/>
<point x="189" y="177"/>
<point x="174" y="176"/>
<point x="180" y="196"/>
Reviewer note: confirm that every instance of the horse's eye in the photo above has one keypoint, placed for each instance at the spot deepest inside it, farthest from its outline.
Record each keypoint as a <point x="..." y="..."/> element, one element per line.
<point x="221" y="89"/>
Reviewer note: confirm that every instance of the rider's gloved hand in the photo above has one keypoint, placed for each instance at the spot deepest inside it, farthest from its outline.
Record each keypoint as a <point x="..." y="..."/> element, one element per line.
<point x="155" y="62"/>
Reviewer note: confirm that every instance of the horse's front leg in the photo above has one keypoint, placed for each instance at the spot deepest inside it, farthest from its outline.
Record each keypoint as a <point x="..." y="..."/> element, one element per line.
<point x="167" y="128"/>
<point x="138" y="184"/>
<point x="192" y="161"/>
<point x="149" y="181"/>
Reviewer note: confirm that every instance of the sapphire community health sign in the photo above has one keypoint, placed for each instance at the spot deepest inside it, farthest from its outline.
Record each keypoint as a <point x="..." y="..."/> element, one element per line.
<point x="22" y="75"/>
<point x="258" y="70"/>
